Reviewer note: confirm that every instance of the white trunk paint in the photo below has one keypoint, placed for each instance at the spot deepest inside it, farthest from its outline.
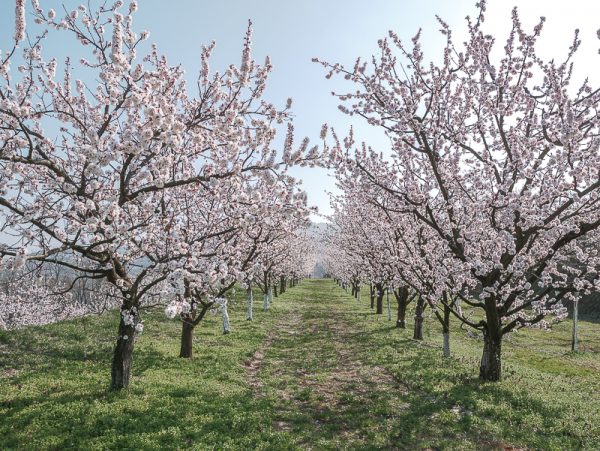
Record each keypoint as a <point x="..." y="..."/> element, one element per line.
<point x="226" y="325"/>
<point x="458" y="307"/>
<point x="446" y="344"/>
<point x="250" y="302"/>
<point x="266" y="302"/>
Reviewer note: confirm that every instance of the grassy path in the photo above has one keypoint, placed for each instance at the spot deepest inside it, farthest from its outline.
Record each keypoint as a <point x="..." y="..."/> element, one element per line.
<point x="337" y="376"/>
<point x="323" y="393"/>
<point x="319" y="370"/>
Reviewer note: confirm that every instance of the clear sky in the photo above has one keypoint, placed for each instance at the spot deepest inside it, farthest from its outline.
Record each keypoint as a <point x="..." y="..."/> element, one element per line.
<point x="293" y="32"/>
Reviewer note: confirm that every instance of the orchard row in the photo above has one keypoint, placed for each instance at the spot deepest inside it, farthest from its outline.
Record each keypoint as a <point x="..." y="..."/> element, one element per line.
<point x="141" y="188"/>
<point x="124" y="187"/>
<point x="487" y="206"/>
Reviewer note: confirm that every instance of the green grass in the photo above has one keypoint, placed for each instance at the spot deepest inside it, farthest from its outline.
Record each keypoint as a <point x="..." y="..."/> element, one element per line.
<point x="59" y="396"/>
<point x="319" y="370"/>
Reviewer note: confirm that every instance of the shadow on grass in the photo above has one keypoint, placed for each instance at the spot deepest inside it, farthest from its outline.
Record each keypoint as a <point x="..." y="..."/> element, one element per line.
<point x="446" y="404"/>
<point x="442" y="406"/>
<point x="121" y="420"/>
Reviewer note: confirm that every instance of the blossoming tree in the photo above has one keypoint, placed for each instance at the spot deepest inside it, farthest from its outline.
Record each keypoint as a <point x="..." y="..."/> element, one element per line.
<point x="87" y="165"/>
<point x="498" y="158"/>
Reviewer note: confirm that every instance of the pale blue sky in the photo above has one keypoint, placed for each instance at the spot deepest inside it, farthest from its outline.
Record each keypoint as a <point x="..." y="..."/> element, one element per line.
<point x="292" y="32"/>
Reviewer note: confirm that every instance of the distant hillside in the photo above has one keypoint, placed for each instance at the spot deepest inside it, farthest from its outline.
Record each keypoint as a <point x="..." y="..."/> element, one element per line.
<point x="317" y="230"/>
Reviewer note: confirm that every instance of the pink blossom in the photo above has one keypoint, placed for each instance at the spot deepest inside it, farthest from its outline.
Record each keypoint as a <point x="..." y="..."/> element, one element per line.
<point x="19" y="20"/>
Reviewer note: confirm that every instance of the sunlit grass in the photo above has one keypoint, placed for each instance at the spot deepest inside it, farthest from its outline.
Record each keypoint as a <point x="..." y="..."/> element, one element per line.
<point x="54" y="386"/>
<point x="333" y="376"/>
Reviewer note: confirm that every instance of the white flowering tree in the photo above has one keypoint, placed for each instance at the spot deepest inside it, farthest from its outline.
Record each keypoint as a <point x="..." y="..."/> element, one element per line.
<point x="89" y="158"/>
<point x="213" y="257"/>
<point x="497" y="159"/>
<point x="280" y="232"/>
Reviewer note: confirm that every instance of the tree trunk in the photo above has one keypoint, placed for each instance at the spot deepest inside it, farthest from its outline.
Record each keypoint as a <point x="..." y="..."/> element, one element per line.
<point x="250" y="302"/>
<point x="358" y="294"/>
<point x="226" y="325"/>
<point x="446" y="345"/>
<point x="402" y="299"/>
<point x="372" y="294"/>
<point x="389" y="306"/>
<point x="491" y="364"/>
<point x="123" y="356"/>
<point x="446" y="331"/>
<point x="270" y="295"/>
<point x="418" y="330"/>
<point x="458" y="306"/>
<point x="275" y="290"/>
<point x="379" y="288"/>
<point x="575" y="337"/>
<point x="282" y="284"/>
<point x="189" y="323"/>
<point x="266" y="301"/>
<point x="187" y="339"/>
